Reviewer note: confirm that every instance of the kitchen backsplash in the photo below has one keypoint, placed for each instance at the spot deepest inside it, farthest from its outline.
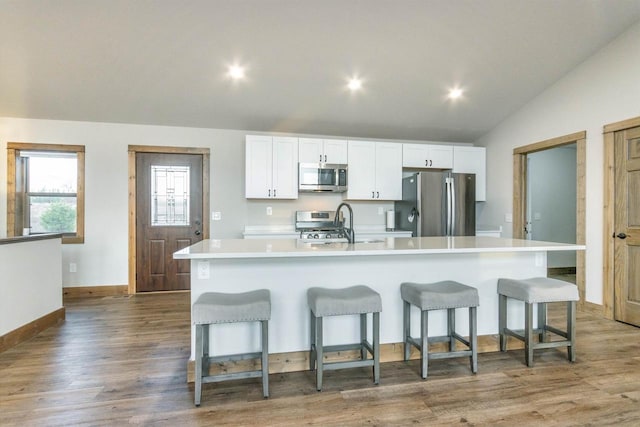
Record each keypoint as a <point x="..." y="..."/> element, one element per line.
<point x="283" y="211"/>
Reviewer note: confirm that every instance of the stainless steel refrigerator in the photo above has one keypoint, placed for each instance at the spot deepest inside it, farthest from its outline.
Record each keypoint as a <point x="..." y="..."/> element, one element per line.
<point x="438" y="203"/>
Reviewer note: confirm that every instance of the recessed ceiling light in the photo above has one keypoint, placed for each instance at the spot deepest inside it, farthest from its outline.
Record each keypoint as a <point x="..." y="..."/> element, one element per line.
<point x="236" y="72"/>
<point x="354" y="84"/>
<point x="455" y="93"/>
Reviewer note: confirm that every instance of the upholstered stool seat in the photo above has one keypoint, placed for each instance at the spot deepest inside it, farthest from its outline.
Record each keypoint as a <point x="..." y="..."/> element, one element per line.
<point x="540" y="291"/>
<point x="446" y="295"/>
<point x="216" y="308"/>
<point x="355" y="300"/>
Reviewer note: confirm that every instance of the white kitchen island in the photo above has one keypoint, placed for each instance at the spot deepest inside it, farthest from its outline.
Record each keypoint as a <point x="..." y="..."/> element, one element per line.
<point x="289" y="267"/>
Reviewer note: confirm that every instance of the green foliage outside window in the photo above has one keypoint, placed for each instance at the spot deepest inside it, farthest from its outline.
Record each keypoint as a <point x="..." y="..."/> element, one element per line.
<point x="59" y="217"/>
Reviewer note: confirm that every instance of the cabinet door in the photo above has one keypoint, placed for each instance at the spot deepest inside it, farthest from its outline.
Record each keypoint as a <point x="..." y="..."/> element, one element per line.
<point x="440" y="156"/>
<point x="472" y="160"/>
<point x="361" y="177"/>
<point x="285" y="168"/>
<point x="310" y="150"/>
<point x="415" y="156"/>
<point x="335" y="151"/>
<point x="388" y="171"/>
<point x="258" y="167"/>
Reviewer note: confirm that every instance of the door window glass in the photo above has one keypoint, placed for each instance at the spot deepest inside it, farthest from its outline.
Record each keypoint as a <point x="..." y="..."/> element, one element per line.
<point x="169" y="195"/>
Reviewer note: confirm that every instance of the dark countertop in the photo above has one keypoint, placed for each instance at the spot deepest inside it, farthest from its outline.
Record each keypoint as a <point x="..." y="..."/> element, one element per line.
<point x="21" y="239"/>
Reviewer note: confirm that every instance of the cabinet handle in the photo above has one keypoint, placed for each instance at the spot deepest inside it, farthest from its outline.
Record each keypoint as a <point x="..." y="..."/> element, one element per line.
<point x="274" y="192"/>
<point x="269" y="192"/>
<point x="320" y="157"/>
<point x="373" y="194"/>
<point x="426" y="163"/>
<point x="430" y="162"/>
<point x="378" y="194"/>
<point x="325" y="158"/>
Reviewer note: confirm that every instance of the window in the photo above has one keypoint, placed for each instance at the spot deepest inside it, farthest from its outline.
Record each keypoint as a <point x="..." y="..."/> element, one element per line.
<point x="47" y="192"/>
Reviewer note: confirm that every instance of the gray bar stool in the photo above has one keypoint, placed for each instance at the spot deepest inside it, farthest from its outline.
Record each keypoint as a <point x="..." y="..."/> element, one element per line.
<point x="214" y="308"/>
<point x="338" y="302"/>
<point x="538" y="290"/>
<point x="446" y="295"/>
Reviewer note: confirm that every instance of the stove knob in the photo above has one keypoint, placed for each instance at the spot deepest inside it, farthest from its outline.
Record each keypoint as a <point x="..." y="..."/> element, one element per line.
<point x="316" y="236"/>
<point x="340" y="236"/>
<point x="328" y="235"/>
<point x="309" y="236"/>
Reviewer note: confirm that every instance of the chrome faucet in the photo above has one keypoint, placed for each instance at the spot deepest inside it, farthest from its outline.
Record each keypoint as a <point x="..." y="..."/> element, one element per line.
<point x="350" y="234"/>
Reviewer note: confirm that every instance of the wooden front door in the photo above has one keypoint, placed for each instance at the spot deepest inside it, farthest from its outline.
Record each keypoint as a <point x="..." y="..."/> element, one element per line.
<point x="169" y="217"/>
<point x="627" y="226"/>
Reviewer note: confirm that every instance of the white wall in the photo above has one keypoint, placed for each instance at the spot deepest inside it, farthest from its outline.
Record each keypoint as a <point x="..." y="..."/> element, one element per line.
<point x="604" y="89"/>
<point x="102" y="259"/>
<point x="552" y="200"/>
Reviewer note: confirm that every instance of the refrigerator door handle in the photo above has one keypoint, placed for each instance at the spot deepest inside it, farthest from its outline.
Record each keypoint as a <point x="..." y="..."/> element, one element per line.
<point x="453" y="207"/>
<point x="448" y="206"/>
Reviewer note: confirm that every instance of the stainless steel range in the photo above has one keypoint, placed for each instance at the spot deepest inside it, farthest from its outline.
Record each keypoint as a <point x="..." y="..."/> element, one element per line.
<point x="319" y="226"/>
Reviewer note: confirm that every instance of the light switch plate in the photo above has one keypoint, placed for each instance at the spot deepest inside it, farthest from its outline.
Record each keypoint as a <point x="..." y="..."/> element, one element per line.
<point x="269" y="210"/>
<point x="508" y="217"/>
<point x="217" y="216"/>
<point x="203" y="270"/>
<point x="73" y="267"/>
<point x="539" y="259"/>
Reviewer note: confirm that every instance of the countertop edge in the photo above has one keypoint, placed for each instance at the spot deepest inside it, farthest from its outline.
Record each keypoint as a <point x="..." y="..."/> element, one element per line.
<point x="22" y="239"/>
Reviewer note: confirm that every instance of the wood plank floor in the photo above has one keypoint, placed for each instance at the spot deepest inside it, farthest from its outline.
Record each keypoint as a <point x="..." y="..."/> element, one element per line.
<point x="122" y="360"/>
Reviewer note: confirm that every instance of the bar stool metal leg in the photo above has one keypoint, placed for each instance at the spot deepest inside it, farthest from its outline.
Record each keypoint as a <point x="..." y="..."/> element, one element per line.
<point x="424" y="351"/>
<point x="198" y="356"/>
<point x="473" y="338"/>
<point x="265" y="358"/>
<point x="528" y="333"/>
<point x="502" y="321"/>
<point x="376" y="347"/>
<point x="542" y="321"/>
<point x="363" y="336"/>
<point x="571" y="330"/>
<point x="406" y="329"/>
<point x="319" y="353"/>
<point x="451" y="328"/>
<point x="312" y="346"/>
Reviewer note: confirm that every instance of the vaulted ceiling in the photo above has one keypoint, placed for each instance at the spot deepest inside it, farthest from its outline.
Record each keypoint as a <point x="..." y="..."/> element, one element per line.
<point x="164" y="62"/>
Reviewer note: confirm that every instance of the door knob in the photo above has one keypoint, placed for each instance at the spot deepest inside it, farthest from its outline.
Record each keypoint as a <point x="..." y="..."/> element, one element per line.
<point x="621" y="236"/>
<point x="197" y="232"/>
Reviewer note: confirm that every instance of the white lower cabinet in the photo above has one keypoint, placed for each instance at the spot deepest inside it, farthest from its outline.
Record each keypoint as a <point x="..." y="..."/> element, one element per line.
<point x="271" y="167"/>
<point x="375" y="171"/>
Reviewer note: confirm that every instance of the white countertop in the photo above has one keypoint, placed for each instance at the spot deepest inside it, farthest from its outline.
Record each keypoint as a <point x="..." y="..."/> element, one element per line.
<point x="292" y="248"/>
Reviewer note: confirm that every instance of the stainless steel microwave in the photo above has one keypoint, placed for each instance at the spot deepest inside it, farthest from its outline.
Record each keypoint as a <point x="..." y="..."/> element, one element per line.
<point x="322" y="177"/>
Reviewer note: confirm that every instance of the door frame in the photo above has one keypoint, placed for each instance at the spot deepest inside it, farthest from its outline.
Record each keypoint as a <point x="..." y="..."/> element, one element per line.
<point x="608" y="262"/>
<point x="520" y="197"/>
<point x="132" y="151"/>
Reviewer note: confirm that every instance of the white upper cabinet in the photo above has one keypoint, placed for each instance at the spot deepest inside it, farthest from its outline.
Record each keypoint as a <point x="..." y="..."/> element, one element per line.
<point x="271" y="167"/>
<point x="375" y="171"/>
<point x="427" y="156"/>
<point x="314" y="150"/>
<point x="472" y="160"/>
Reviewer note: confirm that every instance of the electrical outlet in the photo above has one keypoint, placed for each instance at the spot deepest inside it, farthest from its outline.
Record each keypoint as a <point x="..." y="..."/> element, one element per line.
<point x="73" y="267"/>
<point x="508" y="217"/>
<point x="539" y="259"/>
<point x="203" y="270"/>
<point x="217" y="216"/>
<point x="269" y="210"/>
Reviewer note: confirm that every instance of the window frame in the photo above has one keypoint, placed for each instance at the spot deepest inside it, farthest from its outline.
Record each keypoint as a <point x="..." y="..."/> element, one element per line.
<point x="16" y="193"/>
